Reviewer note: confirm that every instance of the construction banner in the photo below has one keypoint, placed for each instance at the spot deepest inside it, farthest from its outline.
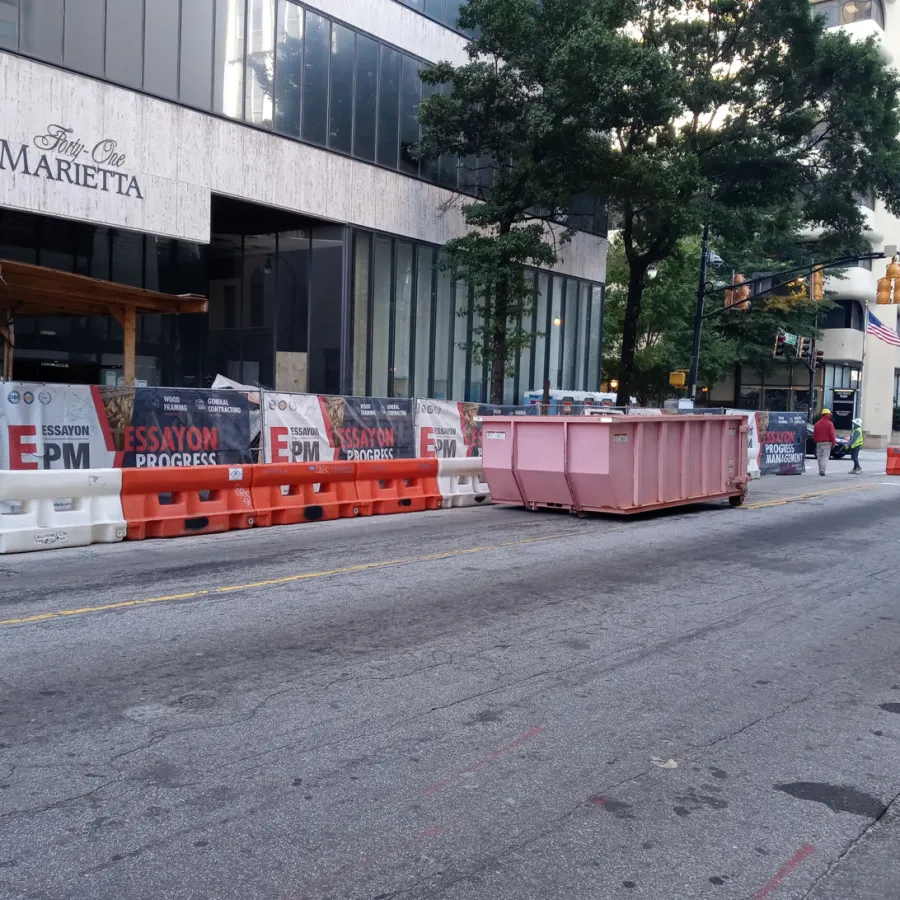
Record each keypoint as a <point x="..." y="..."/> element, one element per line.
<point x="314" y="428"/>
<point x="782" y="442"/>
<point x="449" y="430"/>
<point x="57" y="426"/>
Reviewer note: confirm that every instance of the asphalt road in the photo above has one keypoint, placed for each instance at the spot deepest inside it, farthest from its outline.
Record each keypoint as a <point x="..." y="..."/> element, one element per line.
<point x="478" y="703"/>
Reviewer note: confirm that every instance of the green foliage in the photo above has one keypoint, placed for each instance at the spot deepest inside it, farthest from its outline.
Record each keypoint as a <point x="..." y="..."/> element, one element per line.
<point x="665" y="326"/>
<point x="751" y="118"/>
<point x="517" y="116"/>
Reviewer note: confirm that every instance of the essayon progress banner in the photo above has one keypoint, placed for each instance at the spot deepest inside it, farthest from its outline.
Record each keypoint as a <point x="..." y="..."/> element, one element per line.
<point x="782" y="442"/>
<point x="449" y="430"/>
<point x="54" y="426"/>
<point x="317" y="428"/>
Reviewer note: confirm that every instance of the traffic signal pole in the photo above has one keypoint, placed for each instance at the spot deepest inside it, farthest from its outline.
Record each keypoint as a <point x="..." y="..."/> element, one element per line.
<point x="698" y="318"/>
<point x="812" y="356"/>
<point x="788" y="276"/>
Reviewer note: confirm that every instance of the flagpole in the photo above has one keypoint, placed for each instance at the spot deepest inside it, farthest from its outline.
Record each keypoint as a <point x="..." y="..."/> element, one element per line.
<point x="862" y="369"/>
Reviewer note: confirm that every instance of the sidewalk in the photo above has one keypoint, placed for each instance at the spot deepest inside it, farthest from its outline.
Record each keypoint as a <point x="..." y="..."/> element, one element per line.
<point x="838" y="478"/>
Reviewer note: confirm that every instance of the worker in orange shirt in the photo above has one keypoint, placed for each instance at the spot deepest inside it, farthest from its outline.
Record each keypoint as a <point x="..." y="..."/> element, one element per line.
<point x="824" y="437"/>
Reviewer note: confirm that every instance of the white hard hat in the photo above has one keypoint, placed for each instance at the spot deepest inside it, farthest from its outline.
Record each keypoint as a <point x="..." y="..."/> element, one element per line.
<point x="857" y="422"/>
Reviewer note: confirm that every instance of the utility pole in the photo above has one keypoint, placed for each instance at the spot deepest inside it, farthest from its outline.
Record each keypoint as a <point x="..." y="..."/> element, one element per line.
<point x="812" y="352"/>
<point x="698" y="317"/>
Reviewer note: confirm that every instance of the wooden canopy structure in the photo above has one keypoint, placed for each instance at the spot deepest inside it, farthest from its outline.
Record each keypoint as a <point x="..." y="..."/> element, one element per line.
<point x="27" y="290"/>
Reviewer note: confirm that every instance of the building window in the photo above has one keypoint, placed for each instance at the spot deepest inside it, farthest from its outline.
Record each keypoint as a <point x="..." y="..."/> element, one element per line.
<point x="846" y="314"/>
<point x="846" y="12"/>
<point x="389" y="108"/>
<point x="359" y="338"/>
<point x="839" y="376"/>
<point x="316" y="62"/>
<point x="444" y="11"/>
<point x="288" y="69"/>
<point x="423" y="331"/>
<point x="340" y="116"/>
<point x="161" y="29"/>
<point x="403" y="307"/>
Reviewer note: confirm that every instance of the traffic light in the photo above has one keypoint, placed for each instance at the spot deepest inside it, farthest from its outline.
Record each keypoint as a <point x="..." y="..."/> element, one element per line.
<point x="742" y="292"/>
<point x="779" y="344"/>
<point x="804" y="348"/>
<point x="888" y="289"/>
<point x="738" y="295"/>
<point x="818" y="284"/>
<point x="820" y="359"/>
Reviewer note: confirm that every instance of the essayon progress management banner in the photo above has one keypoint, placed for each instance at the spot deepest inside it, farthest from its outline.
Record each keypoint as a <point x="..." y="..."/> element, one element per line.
<point x="782" y="440"/>
<point x="54" y="426"/>
<point x="317" y="428"/>
<point x="449" y="430"/>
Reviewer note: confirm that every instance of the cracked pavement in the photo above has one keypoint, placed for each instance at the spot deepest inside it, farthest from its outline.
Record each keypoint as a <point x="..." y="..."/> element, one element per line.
<point x="698" y="704"/>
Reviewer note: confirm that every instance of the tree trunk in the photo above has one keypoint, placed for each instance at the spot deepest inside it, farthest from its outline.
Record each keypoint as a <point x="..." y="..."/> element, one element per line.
<point x="498" y="336"/>
<point x="498" y="366"/>
<point x="630" y="332"/>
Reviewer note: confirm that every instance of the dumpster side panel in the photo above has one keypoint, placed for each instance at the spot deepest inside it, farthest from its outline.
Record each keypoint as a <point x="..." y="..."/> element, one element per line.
<point x="497" y="457"/>
<point x="589" y="464"/>
<point x="540" y="461"/>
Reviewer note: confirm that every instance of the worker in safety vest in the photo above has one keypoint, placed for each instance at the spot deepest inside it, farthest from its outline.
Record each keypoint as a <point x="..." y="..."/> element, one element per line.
<point x="856" y="443"/>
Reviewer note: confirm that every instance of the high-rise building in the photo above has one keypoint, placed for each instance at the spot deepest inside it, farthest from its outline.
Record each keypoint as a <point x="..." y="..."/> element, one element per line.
<point x="257" y="152"/>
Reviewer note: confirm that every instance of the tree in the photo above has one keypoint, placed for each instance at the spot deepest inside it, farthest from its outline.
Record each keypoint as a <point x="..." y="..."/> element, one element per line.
<point x="730" y="340"/>
<point x="665" y="325"/>
<point x="753" y="109"/>
<point x="515" y="116"/>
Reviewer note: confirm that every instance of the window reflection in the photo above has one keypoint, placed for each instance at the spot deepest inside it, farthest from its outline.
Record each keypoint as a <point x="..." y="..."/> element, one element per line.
<point x="846" y="12"/>
<point x="316" y="61"/>
<point x="228" y="78"/>
<point x="423" y="351"/>
<point x="403" y="285"/>
<point x="340" y="117"/>
<point x="259" y="80"/>
<point x="389" y="108"/>
<point x="366" y="98"/>
<point x="288" y="69"/>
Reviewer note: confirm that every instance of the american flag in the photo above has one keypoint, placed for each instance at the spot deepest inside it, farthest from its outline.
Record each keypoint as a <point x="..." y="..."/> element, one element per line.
<point x="876" y="327"/>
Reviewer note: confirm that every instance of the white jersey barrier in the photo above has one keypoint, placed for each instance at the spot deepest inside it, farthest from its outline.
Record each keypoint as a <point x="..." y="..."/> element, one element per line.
<point x="462" y="482"/>
<point x="31" y="520"/>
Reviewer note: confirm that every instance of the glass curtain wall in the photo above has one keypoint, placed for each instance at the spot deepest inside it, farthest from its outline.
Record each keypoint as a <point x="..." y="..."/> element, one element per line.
<point x="413" y="327"/>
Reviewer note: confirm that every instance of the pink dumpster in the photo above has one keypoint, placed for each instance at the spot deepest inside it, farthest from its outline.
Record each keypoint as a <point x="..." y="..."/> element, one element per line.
<point x="621" y="464"/>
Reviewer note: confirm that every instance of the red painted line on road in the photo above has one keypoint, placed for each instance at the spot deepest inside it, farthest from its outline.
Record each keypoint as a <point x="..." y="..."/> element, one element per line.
<point x="493" y="756"/>
<point x="797" y="859"/>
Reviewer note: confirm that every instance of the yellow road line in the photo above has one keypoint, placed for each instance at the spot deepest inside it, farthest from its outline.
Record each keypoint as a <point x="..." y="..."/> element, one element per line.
<point x="812" y="495"/>
<point x="273" y="582"/>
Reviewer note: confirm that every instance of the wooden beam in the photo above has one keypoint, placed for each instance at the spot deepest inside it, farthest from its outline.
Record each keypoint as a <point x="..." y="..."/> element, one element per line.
<point x="127" y="318"/>
<point x="7" y="332"/>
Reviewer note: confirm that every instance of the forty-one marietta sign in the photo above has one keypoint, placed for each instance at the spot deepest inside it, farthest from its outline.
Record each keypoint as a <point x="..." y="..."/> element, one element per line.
<point x="59" y="154"/>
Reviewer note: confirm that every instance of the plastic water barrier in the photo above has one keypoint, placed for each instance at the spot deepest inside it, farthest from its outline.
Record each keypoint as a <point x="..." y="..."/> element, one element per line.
<point x="462" y="482"/>
<point x="43" y="509"/>
<point x="33" y="518"/>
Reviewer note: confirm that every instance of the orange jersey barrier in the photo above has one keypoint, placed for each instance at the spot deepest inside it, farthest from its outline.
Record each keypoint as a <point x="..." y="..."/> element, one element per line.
<point x="291" y="493"/>
<point x="398" y="485"/>
<point x="173" y="502"/>
<point x="893" y="461"/>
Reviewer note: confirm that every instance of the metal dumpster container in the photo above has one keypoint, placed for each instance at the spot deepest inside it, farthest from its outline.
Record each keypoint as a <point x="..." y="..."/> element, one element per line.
<point x="612" y="464"/>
